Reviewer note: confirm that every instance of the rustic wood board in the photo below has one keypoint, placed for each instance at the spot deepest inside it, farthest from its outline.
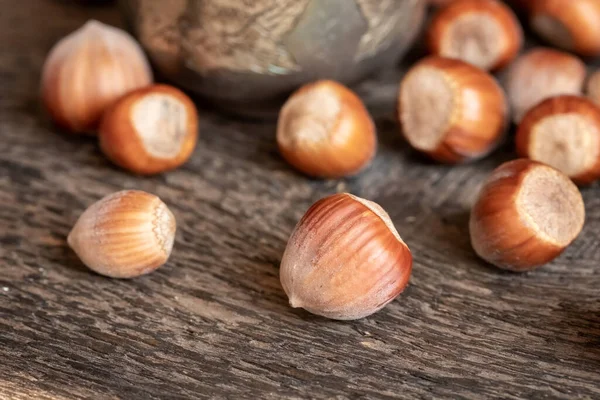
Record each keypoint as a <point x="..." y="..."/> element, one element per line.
<point x="214" y="322"/>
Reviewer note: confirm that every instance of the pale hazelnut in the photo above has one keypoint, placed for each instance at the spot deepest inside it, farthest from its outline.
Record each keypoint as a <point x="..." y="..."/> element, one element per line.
<point x="87" y="71"/>
<point x="124" y="235"/>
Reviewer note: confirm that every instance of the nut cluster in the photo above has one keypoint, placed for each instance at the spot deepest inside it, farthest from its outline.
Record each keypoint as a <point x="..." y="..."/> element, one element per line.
<point x="150" y="130"/>
<point x="98" y="76"/>
<point x="345" y="259"/>
<point x="529" y="210"/>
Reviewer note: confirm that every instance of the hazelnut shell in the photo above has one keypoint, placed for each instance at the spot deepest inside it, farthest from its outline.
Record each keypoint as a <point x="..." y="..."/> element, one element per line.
<point x="451" y="110"/>
<point x="484" y="33"/>
<point x="325" y="131"/>
<point x="344" y="260"/>
<point x="526" y="214"/>
<point x="563" y="132"/>
<point x="150" y="130"/>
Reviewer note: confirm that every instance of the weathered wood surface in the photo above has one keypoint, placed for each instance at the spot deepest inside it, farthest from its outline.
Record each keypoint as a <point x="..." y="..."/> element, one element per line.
<point x="214" y="322"/>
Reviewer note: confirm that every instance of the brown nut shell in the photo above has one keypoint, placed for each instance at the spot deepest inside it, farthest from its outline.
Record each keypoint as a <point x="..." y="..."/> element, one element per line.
<point x="451" y="110"/>
<point x="484" y="33"/>
<point x="570" y="25"/>
<point x="325" y="131"/>
<point x="87" y="71"/>
<point x="344" y="260"/>
<point x="563" y="132"/>
<point x="124" y="235"/>
<point x="542" y="73"/>
<point x="527" y="213"/>
<point x="150" y="130"/>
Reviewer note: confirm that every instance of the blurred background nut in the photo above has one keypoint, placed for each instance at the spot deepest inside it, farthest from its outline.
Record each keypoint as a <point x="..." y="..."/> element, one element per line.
<point x="485" y="33"/>
<point x="87" y="71"/>
<point x="539" y="74"/>
<point x="563" y="132"/>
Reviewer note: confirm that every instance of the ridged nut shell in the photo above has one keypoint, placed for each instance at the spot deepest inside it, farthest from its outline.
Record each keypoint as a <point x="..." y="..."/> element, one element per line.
<point x="526" y="214"/>
<point x="87" y="71"/>
<point x="325" y="131"/>
<point x="344" y="260"/>
<point x="570" y="25"/>
<point x="452" y="111"/>
<point x="484" y="33"/>
<point x="563" y="132"/>
<point x="124" y="235"/>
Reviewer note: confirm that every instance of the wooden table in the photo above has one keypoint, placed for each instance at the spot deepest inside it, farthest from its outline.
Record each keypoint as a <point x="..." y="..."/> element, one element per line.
<point x="214" y="322"/>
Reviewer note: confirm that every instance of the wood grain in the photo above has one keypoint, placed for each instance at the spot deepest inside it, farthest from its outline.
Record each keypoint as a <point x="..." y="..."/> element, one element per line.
<point x="214" y="322"/>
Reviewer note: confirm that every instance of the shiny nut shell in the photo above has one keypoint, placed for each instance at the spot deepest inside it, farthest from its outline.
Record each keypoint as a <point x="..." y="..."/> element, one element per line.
<point x="344" y="260"/>
<point x="324" y="130"/>
<point x="124" y="235"/>
<point x="150" y="130"/>
<point x="526" y="214"/>
<point x="451" y="110"/>
<point x="563" y="132"/>
<point x="484" y="33"/>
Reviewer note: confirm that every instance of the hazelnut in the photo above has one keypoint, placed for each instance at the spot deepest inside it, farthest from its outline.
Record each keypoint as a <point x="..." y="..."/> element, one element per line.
<point x="484" y="33"/>
<point x="325" y="131"/>
<point x="570" y="25"/>
<point x="527" y="213"/>
<point x="542" y="73"/>
<point x="563" y="132"/>
<point x="344" y="260"/>
<point x="451" y="110"/>
<point x="150" y="130"/>
<point x="124" y="235"/>
<point x="87" y="71"/>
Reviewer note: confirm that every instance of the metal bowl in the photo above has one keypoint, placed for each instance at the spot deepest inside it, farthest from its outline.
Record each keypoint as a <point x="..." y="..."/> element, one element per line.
<point x="248" y="55"/>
